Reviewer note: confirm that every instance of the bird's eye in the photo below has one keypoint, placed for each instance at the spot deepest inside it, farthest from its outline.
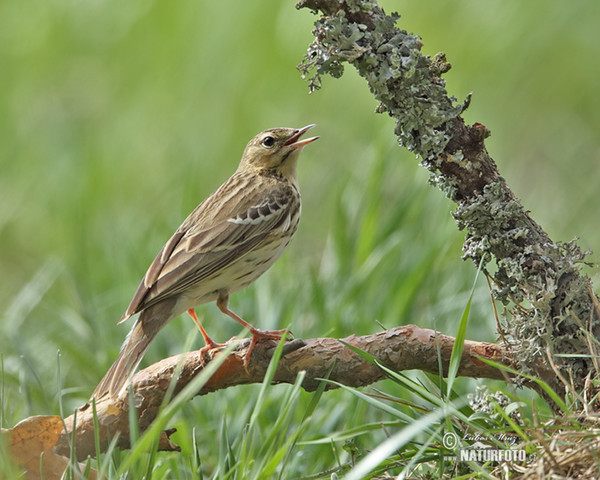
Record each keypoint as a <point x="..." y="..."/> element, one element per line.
<point x="268" y="142"/>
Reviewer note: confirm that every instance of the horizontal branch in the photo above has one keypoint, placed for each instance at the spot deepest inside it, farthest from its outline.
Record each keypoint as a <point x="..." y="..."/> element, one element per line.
<point x="401" y="348"/>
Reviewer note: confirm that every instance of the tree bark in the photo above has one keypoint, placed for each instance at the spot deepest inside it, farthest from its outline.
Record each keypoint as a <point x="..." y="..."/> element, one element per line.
<point x="401" y="348"/>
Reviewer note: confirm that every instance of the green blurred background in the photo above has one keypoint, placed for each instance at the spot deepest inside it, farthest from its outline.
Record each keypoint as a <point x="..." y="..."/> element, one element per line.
<point x="116" y="119"/>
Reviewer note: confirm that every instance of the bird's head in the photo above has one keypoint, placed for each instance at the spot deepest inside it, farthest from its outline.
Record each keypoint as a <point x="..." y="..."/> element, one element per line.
<point x="275" y="150"/>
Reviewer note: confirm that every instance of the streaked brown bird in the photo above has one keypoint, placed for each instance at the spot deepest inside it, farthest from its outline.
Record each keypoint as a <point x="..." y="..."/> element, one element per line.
<point x="225" y="244"/>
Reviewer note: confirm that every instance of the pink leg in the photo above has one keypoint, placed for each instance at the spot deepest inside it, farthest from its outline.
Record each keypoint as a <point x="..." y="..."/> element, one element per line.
<point x="209" y="343"/>
<point x="257" y="334"/>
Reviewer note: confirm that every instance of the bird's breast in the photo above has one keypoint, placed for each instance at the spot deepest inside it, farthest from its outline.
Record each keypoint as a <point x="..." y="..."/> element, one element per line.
<point x="244" y="270"/>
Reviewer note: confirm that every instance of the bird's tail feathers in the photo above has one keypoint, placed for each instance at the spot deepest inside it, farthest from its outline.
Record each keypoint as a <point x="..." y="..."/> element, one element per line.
<point x="129" y="358"/>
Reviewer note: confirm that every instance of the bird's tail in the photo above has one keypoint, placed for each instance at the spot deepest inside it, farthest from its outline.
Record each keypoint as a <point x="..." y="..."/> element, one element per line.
<point x="129" y="358"/>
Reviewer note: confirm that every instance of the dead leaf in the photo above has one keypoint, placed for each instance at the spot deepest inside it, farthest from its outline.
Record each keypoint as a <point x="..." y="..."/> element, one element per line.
<point x="33" y="437"/>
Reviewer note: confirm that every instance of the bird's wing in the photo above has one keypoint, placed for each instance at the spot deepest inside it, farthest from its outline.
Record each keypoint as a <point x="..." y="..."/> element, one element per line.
<point x="197" y="251"/>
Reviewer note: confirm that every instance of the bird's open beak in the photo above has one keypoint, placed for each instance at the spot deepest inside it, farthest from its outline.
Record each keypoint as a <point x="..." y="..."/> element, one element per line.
<point x="295" y="141"/>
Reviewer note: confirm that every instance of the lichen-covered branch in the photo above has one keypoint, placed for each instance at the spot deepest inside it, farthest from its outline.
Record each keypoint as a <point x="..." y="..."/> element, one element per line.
<point x="549" y="298"/>
<point x="402" y="348"/>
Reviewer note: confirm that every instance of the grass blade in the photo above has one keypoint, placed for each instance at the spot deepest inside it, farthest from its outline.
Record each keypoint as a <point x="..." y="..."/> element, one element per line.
<point x="458" y="347"/>
<point x="387" y="448"/>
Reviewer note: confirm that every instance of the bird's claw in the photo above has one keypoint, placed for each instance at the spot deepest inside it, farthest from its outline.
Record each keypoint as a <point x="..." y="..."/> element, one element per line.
<point x="259" y="335"/>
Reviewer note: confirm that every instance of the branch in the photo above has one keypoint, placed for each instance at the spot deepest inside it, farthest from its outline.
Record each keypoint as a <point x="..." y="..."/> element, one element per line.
<point x="529" y="267"/>
<point x="402" y="348"/>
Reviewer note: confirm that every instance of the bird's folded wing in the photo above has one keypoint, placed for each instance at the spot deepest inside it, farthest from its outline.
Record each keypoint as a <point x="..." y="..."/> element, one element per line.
<point x="194" y="254"/>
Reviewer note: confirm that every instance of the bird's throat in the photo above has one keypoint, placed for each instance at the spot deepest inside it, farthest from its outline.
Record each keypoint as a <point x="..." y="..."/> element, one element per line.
<point x="288" y="166"/>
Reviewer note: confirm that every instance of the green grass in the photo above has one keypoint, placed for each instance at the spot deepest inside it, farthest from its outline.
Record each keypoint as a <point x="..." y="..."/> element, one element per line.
<point x="116" y="121"/>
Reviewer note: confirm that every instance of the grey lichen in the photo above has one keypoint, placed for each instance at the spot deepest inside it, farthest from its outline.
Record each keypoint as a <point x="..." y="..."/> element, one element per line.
<point x="531" y="269"/>
<point x="399" y="76"/>
<point x="491" y="403"/>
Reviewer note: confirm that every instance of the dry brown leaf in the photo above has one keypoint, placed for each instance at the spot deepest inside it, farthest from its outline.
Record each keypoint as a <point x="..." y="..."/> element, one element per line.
<point x="36" y="436"/>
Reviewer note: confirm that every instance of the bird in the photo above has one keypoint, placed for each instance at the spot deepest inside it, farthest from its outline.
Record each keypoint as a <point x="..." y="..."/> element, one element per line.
<point x="224" y="245"/>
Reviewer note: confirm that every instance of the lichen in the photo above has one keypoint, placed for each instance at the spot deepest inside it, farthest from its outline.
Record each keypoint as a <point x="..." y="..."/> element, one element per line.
<point x="398" y="75"/>
<point x="546" y="275"/>
<point x="487" y="402"/>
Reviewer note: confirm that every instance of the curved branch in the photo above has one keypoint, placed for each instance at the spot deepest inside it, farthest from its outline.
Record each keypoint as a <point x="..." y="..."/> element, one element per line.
<point x="401" y="348"/>
<point x="529" y="267"/>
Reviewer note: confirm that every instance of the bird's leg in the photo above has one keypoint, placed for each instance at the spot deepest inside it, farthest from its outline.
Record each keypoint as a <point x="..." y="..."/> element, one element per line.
<point x="257" y="334"/>
<point x="210" y="344"/>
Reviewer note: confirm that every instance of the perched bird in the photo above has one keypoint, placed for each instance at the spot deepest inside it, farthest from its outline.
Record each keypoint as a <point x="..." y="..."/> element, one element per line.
<point x="225" y="244"/>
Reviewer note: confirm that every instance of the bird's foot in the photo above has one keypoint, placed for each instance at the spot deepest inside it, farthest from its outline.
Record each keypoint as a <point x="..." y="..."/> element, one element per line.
<point x="260" y="335"/>
<point x="210" y="345"/>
